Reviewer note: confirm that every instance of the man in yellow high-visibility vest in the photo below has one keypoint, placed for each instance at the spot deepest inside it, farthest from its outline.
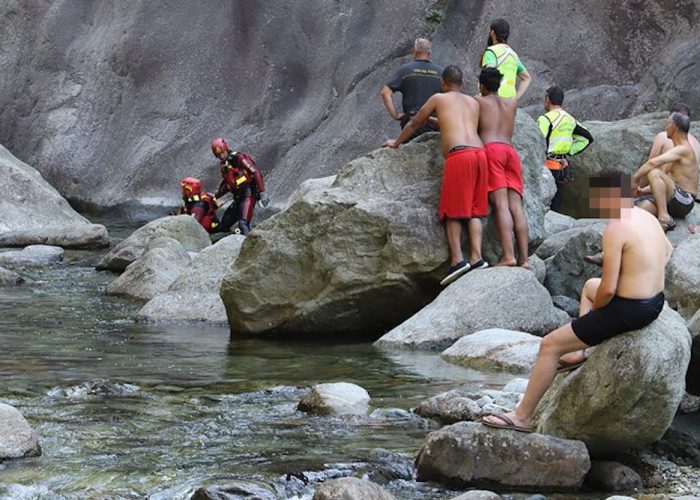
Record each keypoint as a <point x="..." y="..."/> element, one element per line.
<point x="499" y="55"/>
<point x="564" y="136"/>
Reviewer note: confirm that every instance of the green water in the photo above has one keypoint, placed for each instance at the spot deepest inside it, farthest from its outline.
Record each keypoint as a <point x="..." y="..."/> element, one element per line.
<point x="127" y="410"/>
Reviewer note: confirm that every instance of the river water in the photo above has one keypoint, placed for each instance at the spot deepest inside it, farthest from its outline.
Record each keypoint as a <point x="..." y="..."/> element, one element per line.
<point x="128" y="410"/>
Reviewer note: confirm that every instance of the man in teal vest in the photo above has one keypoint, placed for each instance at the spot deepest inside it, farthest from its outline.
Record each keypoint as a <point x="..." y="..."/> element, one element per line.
<point x="500" y="56"/>
<point x="564" y="137"/>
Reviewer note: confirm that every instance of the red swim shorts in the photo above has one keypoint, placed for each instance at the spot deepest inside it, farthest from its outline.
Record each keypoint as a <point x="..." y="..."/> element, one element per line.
<point x="464" y="185"/>
<point x="505" y="170"/>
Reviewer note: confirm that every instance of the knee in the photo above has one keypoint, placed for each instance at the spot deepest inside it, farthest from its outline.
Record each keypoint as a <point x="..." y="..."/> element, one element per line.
<point x="548" y="346"/>
<point x="591" y="286"/>
<point x="654" y="174"/>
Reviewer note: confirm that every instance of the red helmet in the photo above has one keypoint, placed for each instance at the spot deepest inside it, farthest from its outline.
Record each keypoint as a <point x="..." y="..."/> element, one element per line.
<point x="190" y="186"/>
<point x="219" y="146"/>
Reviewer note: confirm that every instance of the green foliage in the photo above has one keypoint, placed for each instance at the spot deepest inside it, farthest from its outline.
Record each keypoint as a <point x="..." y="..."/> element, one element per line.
<point x="434" y="16"/>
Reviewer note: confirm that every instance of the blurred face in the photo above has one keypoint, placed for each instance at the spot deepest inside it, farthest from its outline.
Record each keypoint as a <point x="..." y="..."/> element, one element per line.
<point x="220" y="153"/>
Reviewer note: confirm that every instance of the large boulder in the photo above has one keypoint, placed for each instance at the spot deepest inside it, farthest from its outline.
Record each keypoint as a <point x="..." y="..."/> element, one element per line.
<point x="351" y="488"/>
<point x="182" y="228"/>
<point x="567" y="271"/>
<point x="627" y="392"/>
<point x="495" y="349"/>
<point x="8" y="277"/>
<point x="162" y="262"/>
<point x="74" y="236"/>
<point x="368" y="249"/>
<point x="194" y="295"/>
<point x="468" y="453"/>
<point x="17" y="439"/>
<point x="556" y="242"/>
<point x="36" y="255"/>
<point x="554" y="223"/>
<point x="508" y="298"/>
<point x="683" y="277"/>
<point x="339" y="398"/>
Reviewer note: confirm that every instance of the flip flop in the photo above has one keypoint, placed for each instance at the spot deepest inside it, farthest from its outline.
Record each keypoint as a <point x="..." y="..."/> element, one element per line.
<point x="508" y="424"/>
<point x="667" y="225"/>
<point x="596" y="259"/>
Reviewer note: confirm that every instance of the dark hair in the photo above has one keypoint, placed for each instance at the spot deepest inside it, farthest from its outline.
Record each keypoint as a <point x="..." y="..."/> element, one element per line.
<point x="452" y="75"/>
<point x="501" y="28"/>
<point x="681" y="108"/>
<point x="612" y="180"/>
<point x="555" y="95"/>
<point x="491" y="79"/>
<point x="681" y="121"/>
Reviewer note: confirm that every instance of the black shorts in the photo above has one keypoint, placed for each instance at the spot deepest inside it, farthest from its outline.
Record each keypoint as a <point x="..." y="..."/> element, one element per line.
<point x="619" y="316"/>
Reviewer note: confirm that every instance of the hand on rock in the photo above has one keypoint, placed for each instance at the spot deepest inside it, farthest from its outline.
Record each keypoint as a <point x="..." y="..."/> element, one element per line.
<point x="391" y="143"/>
<point x="264" y="199"/>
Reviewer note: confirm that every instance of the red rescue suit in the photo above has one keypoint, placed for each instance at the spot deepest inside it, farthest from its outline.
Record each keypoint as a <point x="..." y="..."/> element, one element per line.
<point x="203" y="208"/>
<point x="244" y="181"/>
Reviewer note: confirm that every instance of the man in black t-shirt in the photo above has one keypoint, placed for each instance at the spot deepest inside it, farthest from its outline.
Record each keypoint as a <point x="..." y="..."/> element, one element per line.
<point x="417" y="81"/>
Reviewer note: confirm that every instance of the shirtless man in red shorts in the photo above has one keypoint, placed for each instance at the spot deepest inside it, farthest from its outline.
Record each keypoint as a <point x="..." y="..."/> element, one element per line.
<point x="464" y="184"/>
<point x="496" y="122"/>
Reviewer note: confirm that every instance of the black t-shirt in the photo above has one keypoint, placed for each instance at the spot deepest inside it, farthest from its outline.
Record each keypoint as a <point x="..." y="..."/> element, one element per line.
<point x="417" y="81"/>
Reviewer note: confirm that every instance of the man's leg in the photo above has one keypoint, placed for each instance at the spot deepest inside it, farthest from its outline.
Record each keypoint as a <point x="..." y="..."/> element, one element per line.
<point x="515" y="204"/>
<point x="453" y="228"/>
<point x="590" y="289"/>
<point x="662" y="187"/>
<point x="504" y="225"/>
<point x="474" y="227"/>
<point x="556" y="202"/>
<point x="553" y="346"/>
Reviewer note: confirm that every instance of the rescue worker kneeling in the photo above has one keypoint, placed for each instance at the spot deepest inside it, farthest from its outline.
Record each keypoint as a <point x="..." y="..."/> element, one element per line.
<point x="200" y="205"/>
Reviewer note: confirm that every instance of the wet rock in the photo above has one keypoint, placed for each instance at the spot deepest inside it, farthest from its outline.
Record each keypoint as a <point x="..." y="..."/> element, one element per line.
<point x="369" y="248"/>
<point x="689" y="403"/>
<point x="468" y="453"/>
<point x="36" y="255"/>
<point x="683" y="277"/>
<point x="495" y="349"/>
<point x="162" y="262"/>
<point x="681" y="442"/>
<point x="351" y="488"/>
<point x="388" y="466"/>
<point x="476" y="302"/>
<point x="627" y="392"/>
<point x="81" y="236"/>
<point x="612" y="476"/>
<point x="567" y="304"/>
<point x="450" y="407"/>
<point x="567" y="271"/>
<point x="194" y="295"/>
<point x="235" y="491"/>
<point x="517" y="385"/>
<point x="392" y="414"/>
<point x="8" y="277"/>
<point x="619" y="497"/>
<point x="555" y="222"/>
<point x="95" y="388"/>
<point x="479" y="495"/>
<point x="336" y="399"/>
<point x="182" y="228"/>
<point x="17" y="439"/>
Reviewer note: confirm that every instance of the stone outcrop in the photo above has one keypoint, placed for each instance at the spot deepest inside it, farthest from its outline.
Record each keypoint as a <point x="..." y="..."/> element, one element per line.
<point x="194" y="295"/>
<point x="17" y="439"/>
<point x="81" y="236"/>
<point x="469" y="453"/>
<point x="339" y="398"/>
<point x="182" y="228"/>
<point x="495" y="349"/>
<point x="477" y="302"/>
<point x="567" y="272"/>
<point x="8" y="277"/>
<point x="683" y="277"/>
<point x="36" y="255"/>
<point x="351" y="488"/>
<point x="555" y="223"/>
<point x="627" y="392"/>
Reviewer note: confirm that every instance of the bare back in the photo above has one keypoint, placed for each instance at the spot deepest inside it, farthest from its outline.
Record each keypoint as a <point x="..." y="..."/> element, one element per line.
<point x="496" y="118"/>
<point x="458" y="116"/>
<point x="645" y="250"/>
<point x="684" y="171"/>
<point x="662" y="144"/>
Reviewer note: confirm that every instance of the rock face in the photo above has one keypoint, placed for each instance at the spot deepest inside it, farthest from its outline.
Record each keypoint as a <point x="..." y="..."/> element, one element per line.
<point x="567" y="272"/>
<point x="612" y="476"/>
<point x="194" y="295"/>
<point x="37" y="255"/>
<point x="74" y="236"/>
<point x="683" y="277"/>
<point x="162" y="262"/>
<point x="555" y="223"/>
<point x="336" y="399"/>
<point x="626" y="394"/>
<point x="468" y="453"/>
<point x="182" y="228"/>
<point x="362" y="246"/>
<point x="17" y="439"/>
<point x="495" y="349"/>
<point x="476" y="302"/>
<point x="351" y="488"/>
<point x="8" y="277"/>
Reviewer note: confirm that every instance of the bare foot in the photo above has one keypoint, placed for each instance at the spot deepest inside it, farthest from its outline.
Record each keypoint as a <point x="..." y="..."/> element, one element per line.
<point x="573" y="358"/>
<point x="524" y="265"/>
<point x="694" y="229"/>
<point x="508" y="421"/>
<point x="506" y="263"/>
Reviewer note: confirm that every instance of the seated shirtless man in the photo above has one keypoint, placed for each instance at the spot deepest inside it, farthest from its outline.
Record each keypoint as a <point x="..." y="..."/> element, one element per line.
<point x="627" y="297"/>
<point x="667" y="184"/>
<point x="464" y="183"/>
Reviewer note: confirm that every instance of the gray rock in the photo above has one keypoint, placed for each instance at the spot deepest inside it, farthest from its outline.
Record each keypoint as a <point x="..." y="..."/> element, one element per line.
<point x="389" y="466"/>
<point x="37" y="255"/>
<point x="237" y="490"/>
<point x="538" y="267"/>
<point x="555" y="223"/>
<point x="450" y="407"/>
<point x="469" y="453"/>
<point x="81" y="236"/>
<point x="555" y="243"/>
<point x="476" y="302"/>
<point x="683" y="277"/>
<point x="689" y="403"/>
<point x="567" y="304"/>
<point x="478" y="495"/>
<point x="627" y="392"/>
<point x="17" y="439"/>
<point x="351" y="488"/>
<point x="517" y="385"/>
<point x="162" y="262"/>
<point x="681" y="442"/>
<point x="8" y="277"/>
<point x="612" y="476"/>
<point x="336" y="399"/>
<point x="567" y="272"/>
<point x="182" y="228"/>
<point x="694" y="324"/>
<point x="194" y="295"/>
<point x="495" y="349"/>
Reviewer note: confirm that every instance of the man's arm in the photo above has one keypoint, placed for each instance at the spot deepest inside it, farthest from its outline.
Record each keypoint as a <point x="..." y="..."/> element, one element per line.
<point x="582" y="138"/>
<point x="525" y="81"/>
<point x="388" y="101"/>
<point x="415" y="123"/>
<point x="674" y="154"/>
<point x="612" y="249"/>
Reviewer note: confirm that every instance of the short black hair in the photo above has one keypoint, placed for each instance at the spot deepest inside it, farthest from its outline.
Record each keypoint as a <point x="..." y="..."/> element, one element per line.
<point x="501" y="28"/>
<point x="555" y="95"/>
<point x="452" y="75"/>
<point x="491" y="79"/>
<point x="681" y="121"/>
<point x="612" y="180"/>
<point x="679" y="107"/>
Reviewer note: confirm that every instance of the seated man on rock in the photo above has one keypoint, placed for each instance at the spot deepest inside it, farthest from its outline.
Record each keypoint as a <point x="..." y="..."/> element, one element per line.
<point x="668" y="183"/>
<point x="627" y="297"/>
